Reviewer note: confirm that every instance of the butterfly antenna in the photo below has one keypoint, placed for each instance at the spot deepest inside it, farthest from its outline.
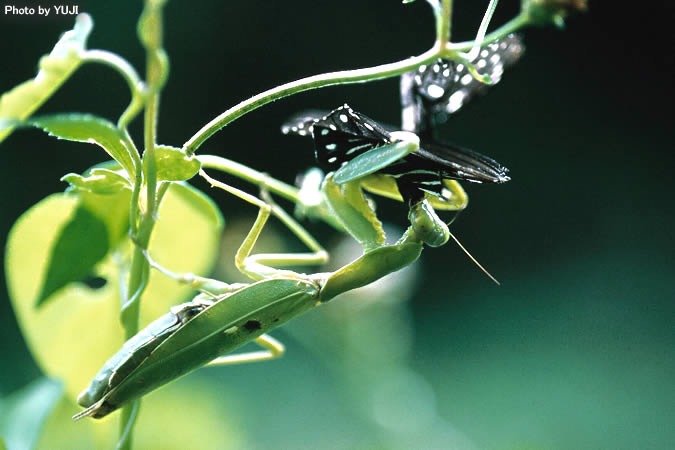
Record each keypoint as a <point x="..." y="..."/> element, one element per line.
<point x="474" y="260"/>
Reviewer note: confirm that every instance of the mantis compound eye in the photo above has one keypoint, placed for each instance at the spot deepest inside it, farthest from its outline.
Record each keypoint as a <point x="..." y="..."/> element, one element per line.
<point x="428" y="227"/>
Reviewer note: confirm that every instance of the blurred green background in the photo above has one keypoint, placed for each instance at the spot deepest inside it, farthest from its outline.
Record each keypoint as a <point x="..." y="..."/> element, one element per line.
<point x="576" y="349"/>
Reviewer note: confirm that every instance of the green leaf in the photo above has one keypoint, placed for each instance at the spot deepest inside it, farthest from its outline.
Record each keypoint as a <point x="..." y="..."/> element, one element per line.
<point x="90" y="129"/>
<point x="197" y="202"/>
<point x="78" y="329"/>
<point x="55" y="68"/>
<point x="24" y="412"/>
<point x="112" y="210"/>
<point x="98" y="181"/>
<point x="106" y="192"/>
<point x="173" y="164"/>
<point x="82" y="243"/>
<point x="372" y="161"/>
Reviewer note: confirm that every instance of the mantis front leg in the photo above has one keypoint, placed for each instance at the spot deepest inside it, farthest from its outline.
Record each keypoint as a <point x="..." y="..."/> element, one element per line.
<point x="259" y="267"/>
<point x="256" y="267"/>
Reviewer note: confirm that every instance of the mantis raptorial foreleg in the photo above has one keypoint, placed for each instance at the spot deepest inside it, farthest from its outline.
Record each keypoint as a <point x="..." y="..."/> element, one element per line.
<point x="259" y="267"/>
<point x="273" y="349"/>
<point x="208" y="286"/>
<point x="256" y="267"/>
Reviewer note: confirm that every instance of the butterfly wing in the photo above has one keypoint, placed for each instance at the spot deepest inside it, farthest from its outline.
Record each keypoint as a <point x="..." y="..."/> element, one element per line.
<point x="429" y="169"/>
<point x="345" y="134"/>
<point x="459" y="163"/>
<point x="302" y="123"/>
<point x="339" y="136"/>
<point x="432" y="92"/>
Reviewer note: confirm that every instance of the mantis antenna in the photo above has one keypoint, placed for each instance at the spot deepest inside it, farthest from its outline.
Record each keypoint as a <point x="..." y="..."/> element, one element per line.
<point x="475" y="261"/>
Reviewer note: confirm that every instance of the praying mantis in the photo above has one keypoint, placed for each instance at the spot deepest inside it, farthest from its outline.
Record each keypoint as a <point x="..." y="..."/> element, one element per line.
<point x="200" y="331"/>
<point x="361" y="155"/>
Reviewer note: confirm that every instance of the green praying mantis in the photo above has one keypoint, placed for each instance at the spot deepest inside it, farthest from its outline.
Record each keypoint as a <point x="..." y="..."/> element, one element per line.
<point x="359" y="155"/>
<point x="224" y="317"/>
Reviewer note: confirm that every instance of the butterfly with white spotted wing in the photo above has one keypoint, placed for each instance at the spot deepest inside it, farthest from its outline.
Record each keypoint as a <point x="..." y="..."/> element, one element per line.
<point x="344" y="134"/>
<point x="433" y="92"/>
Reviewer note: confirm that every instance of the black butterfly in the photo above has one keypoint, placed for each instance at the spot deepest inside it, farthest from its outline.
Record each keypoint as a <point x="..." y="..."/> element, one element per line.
<point x="344" y="134"/>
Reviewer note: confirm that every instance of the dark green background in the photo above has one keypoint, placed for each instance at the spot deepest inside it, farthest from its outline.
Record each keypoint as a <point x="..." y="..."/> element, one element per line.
<point x="576" y="349"/>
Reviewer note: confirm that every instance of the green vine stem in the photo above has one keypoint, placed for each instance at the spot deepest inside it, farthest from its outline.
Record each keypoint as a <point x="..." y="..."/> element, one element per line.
<point x="126" y="70"/>
<point x="442" y="48"/>
<point x="443" y="22"/>
<point x="482" y="29"/>
<point x="520" y="21"/>
<point x="150" y="34"/>
<point x="305" y="84"/>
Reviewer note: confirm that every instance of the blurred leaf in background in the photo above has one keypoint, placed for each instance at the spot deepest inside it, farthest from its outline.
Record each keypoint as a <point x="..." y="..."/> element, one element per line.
<point x="23" y="413"/>
<point x="73" y="334"/>
<point x="39" y="416"/>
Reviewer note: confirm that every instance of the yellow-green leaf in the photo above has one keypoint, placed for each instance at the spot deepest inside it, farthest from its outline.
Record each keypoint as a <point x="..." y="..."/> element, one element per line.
<point x="98" y="181"/>
<point x="111" y="209"/>
<point x="74" y="333"/>
<point x="109" y="200"/>
<point x="93" y="130"/>
<point x="173" y="164"/>
<point x="81" y="243"/>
